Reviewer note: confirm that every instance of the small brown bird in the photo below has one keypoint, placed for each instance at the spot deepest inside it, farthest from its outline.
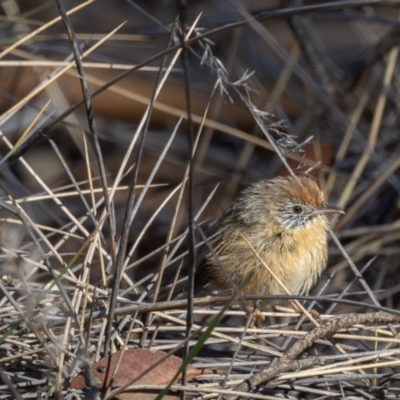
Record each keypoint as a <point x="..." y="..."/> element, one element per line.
<point x="285" y="220"/>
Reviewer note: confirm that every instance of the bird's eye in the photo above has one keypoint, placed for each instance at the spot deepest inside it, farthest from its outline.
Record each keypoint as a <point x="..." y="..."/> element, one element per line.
<point x="297" y="209"/>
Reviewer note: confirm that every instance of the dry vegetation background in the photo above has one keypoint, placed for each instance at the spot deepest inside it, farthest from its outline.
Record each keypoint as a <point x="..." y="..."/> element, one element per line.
<point x="316" y="83"/>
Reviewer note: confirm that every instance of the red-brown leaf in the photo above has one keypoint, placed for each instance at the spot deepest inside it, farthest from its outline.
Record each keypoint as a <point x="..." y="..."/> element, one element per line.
<point x="134" y="362"/>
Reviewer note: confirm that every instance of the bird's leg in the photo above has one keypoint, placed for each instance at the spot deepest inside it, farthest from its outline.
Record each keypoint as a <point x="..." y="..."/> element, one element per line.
<point x="297" y="309"/>
<point x="258" y="319"/>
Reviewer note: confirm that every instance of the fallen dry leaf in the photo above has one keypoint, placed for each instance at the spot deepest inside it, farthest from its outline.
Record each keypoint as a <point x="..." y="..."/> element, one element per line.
<point x="134" y="362"/>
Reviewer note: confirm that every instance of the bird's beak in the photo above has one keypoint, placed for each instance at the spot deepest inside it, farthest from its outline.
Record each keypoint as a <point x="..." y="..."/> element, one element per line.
<point x="327" y="209"/>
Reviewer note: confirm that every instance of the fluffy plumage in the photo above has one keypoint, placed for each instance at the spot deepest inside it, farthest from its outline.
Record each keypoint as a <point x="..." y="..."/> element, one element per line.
<point x="286" y="222"/>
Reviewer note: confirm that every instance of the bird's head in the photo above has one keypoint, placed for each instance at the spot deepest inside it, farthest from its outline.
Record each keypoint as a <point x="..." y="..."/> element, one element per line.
<point x="299" y="202"/>
<point x="283" y="203"/>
